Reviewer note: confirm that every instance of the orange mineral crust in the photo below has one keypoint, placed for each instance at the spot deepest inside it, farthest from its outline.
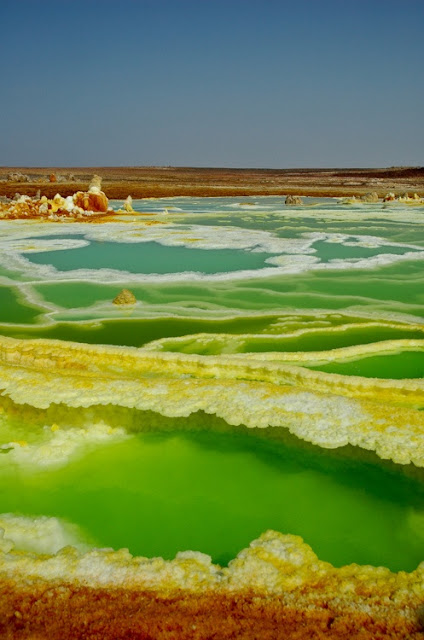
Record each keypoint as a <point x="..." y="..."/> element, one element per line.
<point x="79" y="206"/>
<point x="41" y="611"/>
<point x="277" y="588"/>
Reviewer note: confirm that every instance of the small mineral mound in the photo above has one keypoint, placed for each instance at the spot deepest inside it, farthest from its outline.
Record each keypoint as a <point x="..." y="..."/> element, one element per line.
<point x="420" y="616"/>
<point x="128" y="205"/>
<point x="294" y="200"/>
<point x="370" y="197"/>
<point x="95" y="184"/>
<point x="82" y="205"/>
<point x="17" y="177"/>
<point x="91" y="201"/>
<point x="125" y="297"/>
<point x="389" y="197"/>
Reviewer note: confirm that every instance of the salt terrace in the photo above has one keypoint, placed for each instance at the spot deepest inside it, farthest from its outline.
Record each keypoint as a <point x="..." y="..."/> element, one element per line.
<point x="209" y="401"/>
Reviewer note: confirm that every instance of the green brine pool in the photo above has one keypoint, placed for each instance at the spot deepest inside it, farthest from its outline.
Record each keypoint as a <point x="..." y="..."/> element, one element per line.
<point x="214" y="278"/>
<point x="158" y="493"/>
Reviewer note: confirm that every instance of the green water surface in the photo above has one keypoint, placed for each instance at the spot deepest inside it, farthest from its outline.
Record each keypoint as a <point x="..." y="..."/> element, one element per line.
<point x="149" y="257"/>
<point x="136" y="332"/>
<point x="13" y="309"/>
<point x="408" y="364"/>
<point x="160" y="493"/>
<point x="327" y="251"/>
<point x="387" y="290"/>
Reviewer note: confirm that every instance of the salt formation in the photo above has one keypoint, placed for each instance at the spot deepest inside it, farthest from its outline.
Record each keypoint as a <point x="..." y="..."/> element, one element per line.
<point x="17" y="177"/>
<point x="274" y="564"/>
<point x="77" y="206"/>
<point x="405" y="197"/>
<point x="128" y="205"/>
<point x="125" y="297"/>
<point x="95" y="184"/>
<point x="66" y="178"/>
<point x="94" y="199"/>
<point x="369" y="197"/>
<point x="40" y="535"/>
<point x="59" y="445"/>
<point x="389" y="197"/>
<point x="329" y="410"/>
<point x="293" y="200"/>
<point x="277" y="573"/>
<point x="91" y="201"/>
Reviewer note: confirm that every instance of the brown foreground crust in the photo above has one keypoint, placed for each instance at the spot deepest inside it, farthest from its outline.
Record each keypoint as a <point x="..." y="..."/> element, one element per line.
<point x="69" y="612"/>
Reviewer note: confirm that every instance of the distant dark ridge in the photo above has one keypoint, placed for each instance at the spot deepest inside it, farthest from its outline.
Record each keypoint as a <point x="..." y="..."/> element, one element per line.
<point x="342" y="171"/>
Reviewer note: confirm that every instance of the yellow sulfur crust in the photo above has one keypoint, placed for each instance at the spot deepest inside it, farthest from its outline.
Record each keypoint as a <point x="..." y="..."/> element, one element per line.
<point x="326" y="409"/>
<point x="274" y="564"/>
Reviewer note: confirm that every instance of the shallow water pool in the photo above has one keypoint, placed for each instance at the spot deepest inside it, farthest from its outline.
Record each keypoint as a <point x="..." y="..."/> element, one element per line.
<point x="158" y="493"/>
<point x="150" y="257"/>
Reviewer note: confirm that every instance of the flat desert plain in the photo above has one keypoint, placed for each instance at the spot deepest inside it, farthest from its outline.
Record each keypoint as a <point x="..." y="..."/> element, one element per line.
<point x="156" y="182"/>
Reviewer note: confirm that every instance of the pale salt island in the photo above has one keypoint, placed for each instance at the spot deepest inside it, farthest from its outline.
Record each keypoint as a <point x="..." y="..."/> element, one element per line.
<point x="211" y="403"/>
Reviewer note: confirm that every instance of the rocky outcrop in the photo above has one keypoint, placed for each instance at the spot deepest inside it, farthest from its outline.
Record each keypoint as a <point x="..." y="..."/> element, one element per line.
<point x="290" y="200"/>
<point x="389" y="197"/>
<point x="79" y="206"/>
<point x="128" y="205"/>
<point x="404" y="197"/>
<point x="94" y="199"/>
<point x="125" y="297"/>
<point x="91" y="201"/>
<point x="95" y="183"/>
<point x="17" y="177"/>
<point x="65" y="178"/>
<point x="369" y="197"/>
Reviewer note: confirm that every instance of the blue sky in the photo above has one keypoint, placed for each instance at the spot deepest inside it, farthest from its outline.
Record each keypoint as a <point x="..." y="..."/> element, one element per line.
<point x="241" y="83"/>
